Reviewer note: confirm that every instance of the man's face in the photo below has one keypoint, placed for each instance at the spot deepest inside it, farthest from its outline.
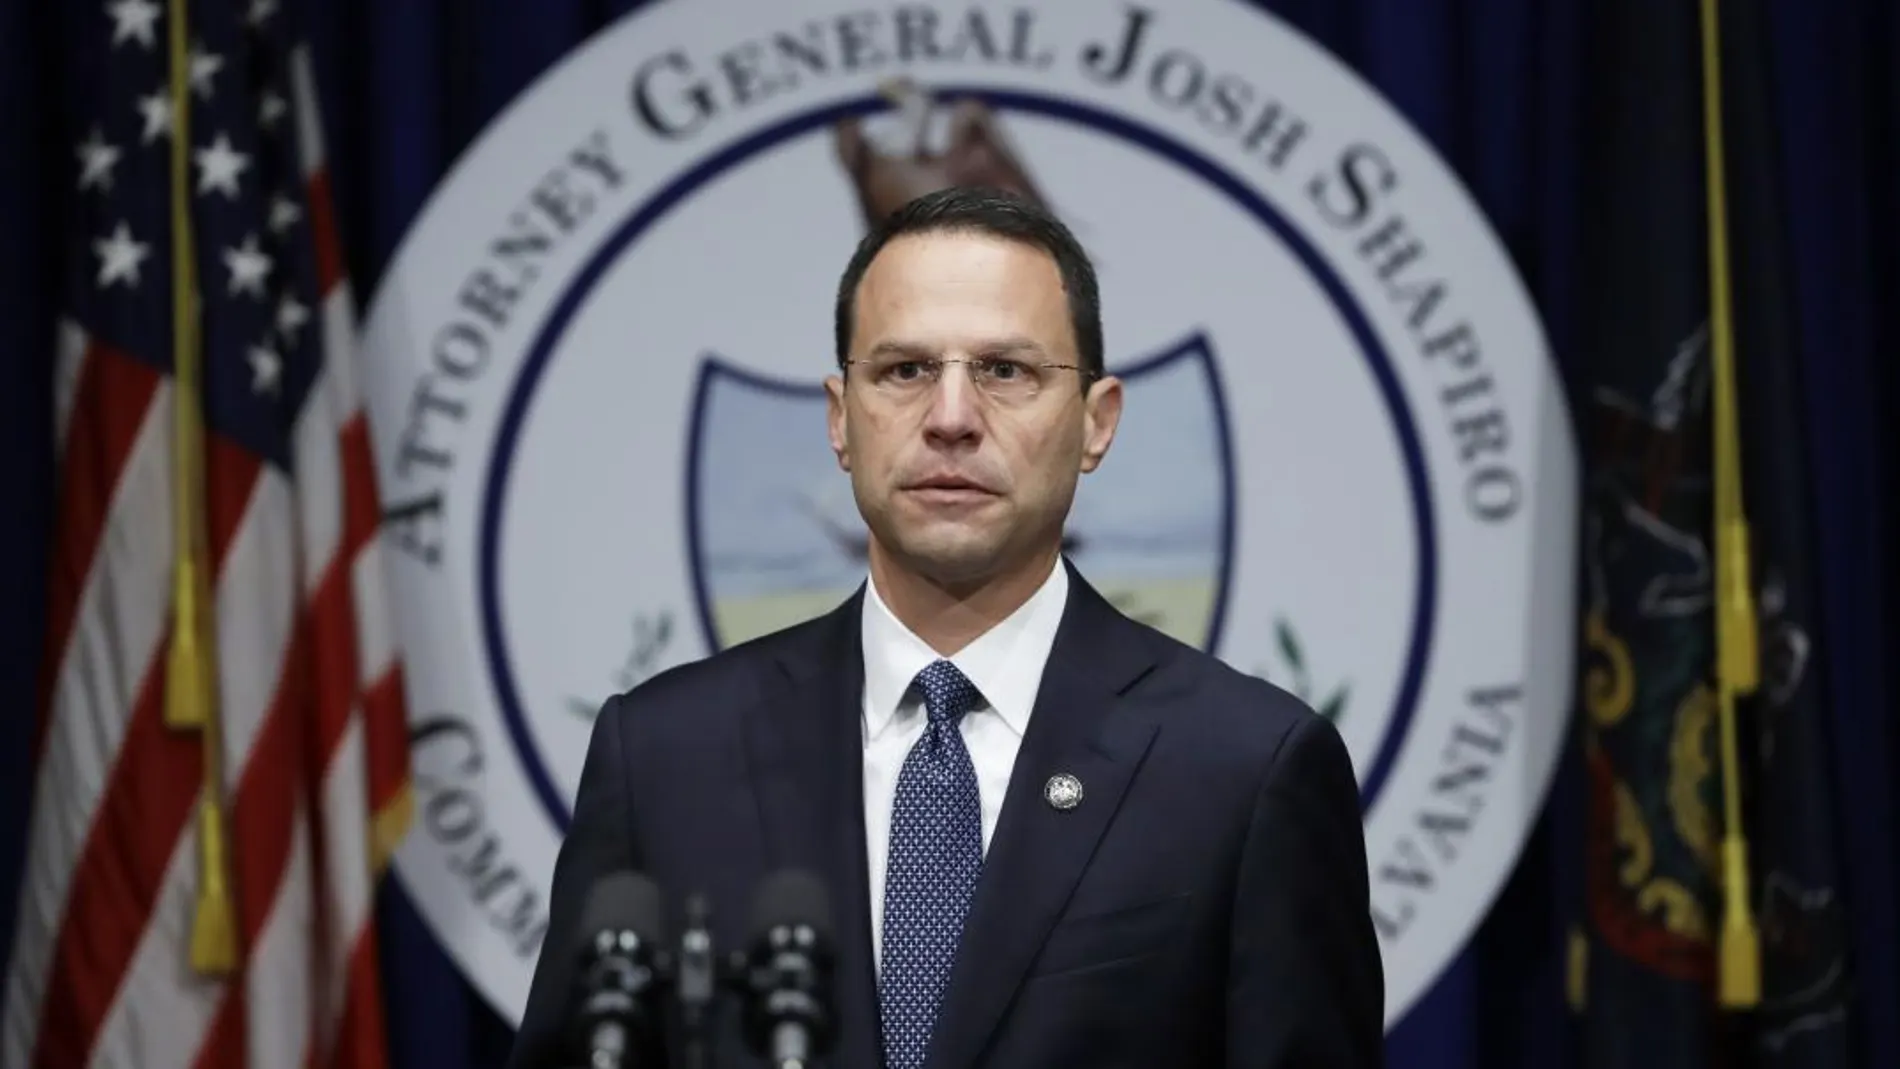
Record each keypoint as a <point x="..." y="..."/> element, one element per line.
<point x="965" y="475"/>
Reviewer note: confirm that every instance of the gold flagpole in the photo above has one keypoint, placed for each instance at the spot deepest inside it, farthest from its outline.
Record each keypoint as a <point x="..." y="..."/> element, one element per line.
<point x="191" y="671"/>
<point x="1737" y="666"/>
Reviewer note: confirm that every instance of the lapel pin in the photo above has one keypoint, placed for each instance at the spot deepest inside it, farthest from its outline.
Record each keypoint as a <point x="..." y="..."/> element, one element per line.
<point x="1063" y="791"/>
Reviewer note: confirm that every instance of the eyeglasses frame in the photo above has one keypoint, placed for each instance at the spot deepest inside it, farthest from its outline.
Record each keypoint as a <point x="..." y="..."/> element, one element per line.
<point x="1085" y="374"/>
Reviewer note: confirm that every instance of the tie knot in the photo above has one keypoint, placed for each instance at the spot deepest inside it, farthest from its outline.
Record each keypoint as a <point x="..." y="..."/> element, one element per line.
<point x="948" y="694"/>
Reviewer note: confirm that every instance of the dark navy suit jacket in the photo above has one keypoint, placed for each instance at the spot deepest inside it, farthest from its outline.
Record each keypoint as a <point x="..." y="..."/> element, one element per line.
<point x="1206" y="905"/>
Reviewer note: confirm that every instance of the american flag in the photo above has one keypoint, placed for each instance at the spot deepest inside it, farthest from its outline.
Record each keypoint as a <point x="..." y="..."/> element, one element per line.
<point x="284" y="778"/>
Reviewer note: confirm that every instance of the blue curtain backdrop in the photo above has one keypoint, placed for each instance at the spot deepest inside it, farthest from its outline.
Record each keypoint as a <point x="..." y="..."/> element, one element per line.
<point x="1501" y="87"/>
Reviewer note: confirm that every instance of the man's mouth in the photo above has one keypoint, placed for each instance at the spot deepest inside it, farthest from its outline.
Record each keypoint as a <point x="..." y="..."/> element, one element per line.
<point x="949" y="489"/>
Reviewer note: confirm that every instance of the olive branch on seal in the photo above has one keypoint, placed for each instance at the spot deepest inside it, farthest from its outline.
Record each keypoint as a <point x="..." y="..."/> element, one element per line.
<point x="1294" y="654"/>
<point x="651" y="634"/>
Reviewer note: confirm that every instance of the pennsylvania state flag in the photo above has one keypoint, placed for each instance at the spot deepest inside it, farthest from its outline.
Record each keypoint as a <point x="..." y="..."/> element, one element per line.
<point x="1693" y="414"/>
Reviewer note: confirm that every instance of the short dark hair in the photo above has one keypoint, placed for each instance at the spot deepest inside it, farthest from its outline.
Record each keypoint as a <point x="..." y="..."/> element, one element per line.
<point x="973" y="209"/>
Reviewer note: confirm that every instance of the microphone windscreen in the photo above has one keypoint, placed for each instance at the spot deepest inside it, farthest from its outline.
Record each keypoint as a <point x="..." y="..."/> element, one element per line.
<point x="623" y="900"/>
<point x="791" y="896"/>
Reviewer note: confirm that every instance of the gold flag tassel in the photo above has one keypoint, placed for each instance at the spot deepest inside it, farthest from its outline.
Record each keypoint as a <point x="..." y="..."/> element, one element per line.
<point x="214" y="939"/>
<point x="1737" y="668"/>
<point x="191" y="671"/>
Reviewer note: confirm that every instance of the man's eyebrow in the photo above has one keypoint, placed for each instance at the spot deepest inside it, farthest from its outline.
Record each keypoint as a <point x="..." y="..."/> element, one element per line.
<point x="917" y="351"/>
<point x="907" y="350"/>
<point x="1004" y="346"/>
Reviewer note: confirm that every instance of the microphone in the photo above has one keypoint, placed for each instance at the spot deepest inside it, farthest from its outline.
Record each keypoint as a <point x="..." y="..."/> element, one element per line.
<point x="616" y="1019"/>
<point x="788" y="1005"/>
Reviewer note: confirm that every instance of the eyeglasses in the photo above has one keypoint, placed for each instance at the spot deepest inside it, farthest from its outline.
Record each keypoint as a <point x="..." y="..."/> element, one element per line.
<point x="1004" y="379"/>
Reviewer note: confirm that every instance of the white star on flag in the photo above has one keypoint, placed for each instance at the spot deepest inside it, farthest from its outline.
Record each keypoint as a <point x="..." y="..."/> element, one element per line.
<point x="290" y="316"/>
<point x="271" y="109"/>
<point x="284" y="213"/>
<point x="133" y="20"/>
<point x="156" y="110"/>
<point x="261" y="11"/>
<point x="96" y="159"/>
<point x="120" y="257"/>
<point x="267" y="369"/>
<point x="219" y="167"/>
<point x="203" y="66"/>
<point x="249" y="267"/>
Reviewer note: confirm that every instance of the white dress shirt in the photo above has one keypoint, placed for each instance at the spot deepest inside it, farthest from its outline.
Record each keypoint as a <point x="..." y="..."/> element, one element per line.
<point x="1005" y="665"/>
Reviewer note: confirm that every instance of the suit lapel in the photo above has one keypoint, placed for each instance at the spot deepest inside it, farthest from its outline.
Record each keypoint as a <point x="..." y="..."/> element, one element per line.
<point x="1038" y="852"/>
<point x="805" y="749"/>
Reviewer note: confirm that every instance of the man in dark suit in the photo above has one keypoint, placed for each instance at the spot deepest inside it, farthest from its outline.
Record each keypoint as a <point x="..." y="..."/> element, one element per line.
<point x="1051" y="835"/>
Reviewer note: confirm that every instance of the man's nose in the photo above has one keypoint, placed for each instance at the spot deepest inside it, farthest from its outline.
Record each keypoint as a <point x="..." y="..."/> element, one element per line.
<point x="955" y="404"/>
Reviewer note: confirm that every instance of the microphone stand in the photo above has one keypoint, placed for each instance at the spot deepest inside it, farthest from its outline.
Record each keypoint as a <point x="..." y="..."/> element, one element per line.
<point x="696" y="980"/>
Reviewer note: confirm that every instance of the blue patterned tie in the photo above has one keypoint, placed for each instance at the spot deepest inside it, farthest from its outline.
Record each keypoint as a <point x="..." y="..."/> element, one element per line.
<point x="936" y="855"/>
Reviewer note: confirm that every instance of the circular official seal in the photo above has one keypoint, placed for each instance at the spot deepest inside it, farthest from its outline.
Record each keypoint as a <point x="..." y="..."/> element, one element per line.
<point x="595" y="367"/>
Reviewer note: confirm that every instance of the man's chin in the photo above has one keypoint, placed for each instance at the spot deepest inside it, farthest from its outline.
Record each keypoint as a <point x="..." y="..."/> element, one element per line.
<point x="960" y="559"/>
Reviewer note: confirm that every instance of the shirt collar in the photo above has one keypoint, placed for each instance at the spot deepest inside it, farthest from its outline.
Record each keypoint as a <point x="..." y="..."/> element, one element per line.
<point x="1004" y="664"/>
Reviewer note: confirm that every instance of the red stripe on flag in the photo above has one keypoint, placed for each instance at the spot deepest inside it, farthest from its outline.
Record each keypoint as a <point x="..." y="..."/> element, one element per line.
<point x="333" y="608"/>
<point x="231" y="473"/>
<point x="362" y="513"/>
<point x="224" y="1042"/>
<point x="385" y="738"/>
<point x="333" y="666"/>
<point x="265" y="802"/>
<point x="323" y="233"/>
<point x="329" y="933"/>
<point x="110" y="405"/>
<point x="360" y="1037"/>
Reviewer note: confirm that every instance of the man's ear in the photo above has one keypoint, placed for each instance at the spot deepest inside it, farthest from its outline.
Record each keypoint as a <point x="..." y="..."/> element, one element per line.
<point x="1101" y="414"/>
<point x="835" y="421"/>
